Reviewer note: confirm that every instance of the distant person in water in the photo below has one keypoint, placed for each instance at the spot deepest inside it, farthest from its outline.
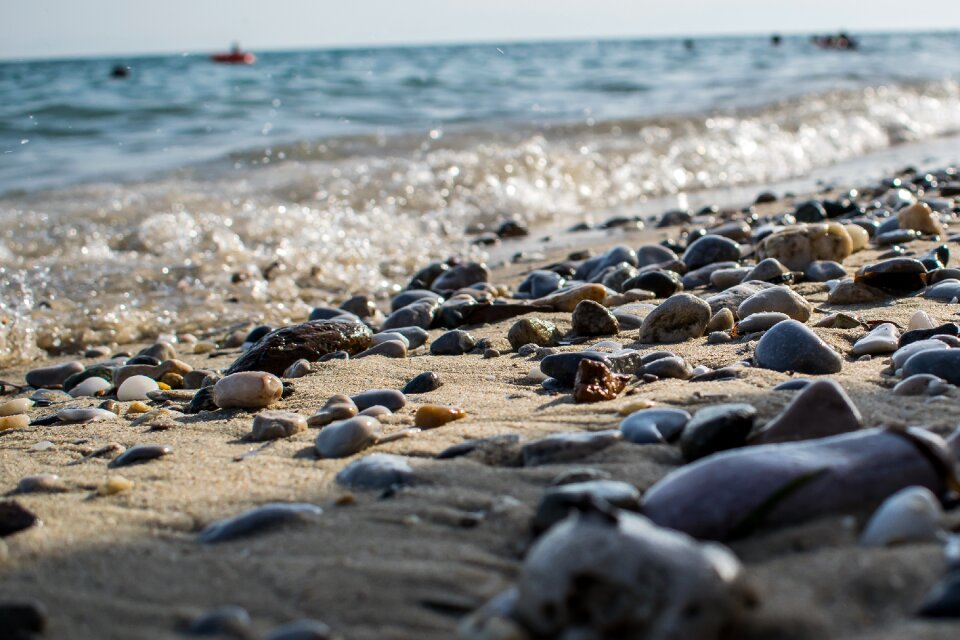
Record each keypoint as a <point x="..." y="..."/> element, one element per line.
<point x="688" y="44"/>
<point x="775" y="40"/>
<point x="120" y="71"/>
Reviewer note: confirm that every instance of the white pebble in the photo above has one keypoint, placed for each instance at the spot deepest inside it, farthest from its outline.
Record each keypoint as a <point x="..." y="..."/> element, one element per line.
<point x="90" y="387"/>
<point x="136" y="388"/>
<point x="920" y="320"/>
<point x="13" y="407"/>
<point x="911" y="515"/>
<point x="536" y="375"/>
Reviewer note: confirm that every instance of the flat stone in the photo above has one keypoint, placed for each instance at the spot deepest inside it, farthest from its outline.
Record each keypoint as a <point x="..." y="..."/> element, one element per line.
<point x="882" y="340"/>
<point x="726" y="278"/>
<point x="75" y="415"/>
<point x="309" y="341"/>
<point x="821" y="409"/>
<point x="568" y="299"/>
<point x="387" y="349"/>
<point x="270" y="425"/>
<point x="762" y="321"/>
<point x="91" y="387"/>
<point x="376" y="471"/>
<point x="453" y="343"/>
<point x="141" y="453"/>
<point x="717" y="428"/>
<point x="791" y="346"/>
<point x="53" y="376"/>
<point x="678" y="318"/>
<point x="654" y="426"/>
<point x="565" y="447"/>
<point x="945" y="290"/>
<point x="778" y="299"/>
<point x="592" y="319"/>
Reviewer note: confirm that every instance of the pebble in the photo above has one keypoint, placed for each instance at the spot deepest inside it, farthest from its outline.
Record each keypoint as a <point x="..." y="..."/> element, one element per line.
<point x="593" y="319"/>
<point x="920" y="217"/>
<point x="346" y="437"/>
<point x="75" y="415"/>
<point x="840" y="321"/>
<point x="247" y="390"/>
<point x="114" y="485"/>
<point x="920" y="320"/>
<point x="821" y="409"/>
<point x="796" y="247"/>
<point x="20" y="620"/>
<point x="662" y="284"/>
<point x="680" y="317"/>
<point x="540" y="283"/>
<point x="710" y="250"/>
<point x="762" y="321"/>
<point x="204" y="346"/>
<point x="298" y="369"/>
<point x="269" y="516"/>
<point x="410" y="296"/>
<point x="568" y="299"/>
<point x="722" y="320"/>
<point x="53" y="376"/>
<point x="734" y="296"/>
<point x="20" y="421"/>
<point x="948" y="329"/>
<point x="270" y="425"/>
<point x="161" y="350"/>
<point x="701" y="277"/>
<point x="654" y="426"/>
<point x="628" y="575"/>
<point x="945" y="290"/>
<point x="141" y="453"/>
<point x="41" y="483"/>
<point x="43" y="445"/>
<point x="137" y="407"/>
<point x="389" y="398"/>
<point x="920" y="384"/>
<point x="461" y="276"/>
<point x="565" y="447"/>
<point x="387" y="349"/>
<point x="897" y="276"/>
<point x="416" y="337"/>
<point x="309" y="340"/>
<point x="944" y="364"/>
<point x="300" y="630"/>
<point x="717" y="428"/>
<point x="422" y="383"/>
<point x="595" y="382"/>
<point x="910" y="515"/>
<point x="776" y="299"/>
<point x="453" y="343"/>
<point x="670" y="367"/>
<point x="14" y="407"/>
<point x="943" y="600"/>
<point x="431" y="416"/>
<point x="558" y="502"/>
<point x="794" y="385"/>
<point x="726" y="278"/>
<point x="14" y="517"/>
<point x="418" y="314"/>
<point x="376" y="471"/>
<point x="136" y="388"/>
<point x="882" y="340"/>
<point x="824" y="270"/>
<point x="229" y="620"/>
<point x="790" y="346"/>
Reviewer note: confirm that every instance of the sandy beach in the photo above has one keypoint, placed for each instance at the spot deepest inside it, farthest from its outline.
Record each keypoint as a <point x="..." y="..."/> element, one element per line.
<point x="414" y="561"/>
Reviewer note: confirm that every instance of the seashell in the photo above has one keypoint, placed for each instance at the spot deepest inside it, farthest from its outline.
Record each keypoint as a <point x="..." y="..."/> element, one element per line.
<point x="911" y="515"/>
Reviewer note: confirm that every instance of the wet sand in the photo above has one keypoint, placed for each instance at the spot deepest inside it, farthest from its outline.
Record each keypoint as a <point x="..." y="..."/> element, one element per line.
<point x="412" y="564"/>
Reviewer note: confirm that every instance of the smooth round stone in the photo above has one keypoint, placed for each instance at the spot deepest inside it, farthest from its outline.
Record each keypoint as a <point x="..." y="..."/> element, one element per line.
<point x="650" y="254"/>
<point x="16" y="421"/>
<point x="796" y="247"/>
<point x="308" y="340"/>
<point x="920" y="217"/>
<point x="161" y="350"/>
<point x="654" y="426"/>
<point x="710" y="250"/>
<point x="762" y="321"/>
<point x="408" y="297"/>
<point x="701" y="277"/>
<point x="945" y="290"/>
<point x="726" y="278"/>
<point x="719" y="337"/>
<point x="768" y="270"/>
<point x="387" y="349"/>
<point x="416" y="336"/>
<point x="558" y="502"/>
<point x="776" y="299"/>
<point x="74" y="415"/>
<point x="824" y="270"/>
<point x="389" y="335"/>
<point x="298" y="369"/>
<point x="810" y="211"/>
<point x="228" y="620"/>
<point x="41" y="483"/>
<point x="461" y="276"/>
<point x="821" y="409"/>
<point x="247" y="390"/>
<point x="921" y="320"/>
<point x="335" y="409"/>
<point x="883" y="339"/>
<point x="947" y="329"/>
<point x="376" y="411"/>
<point x="566" y="299"/>
<point x="662" y="284"/>
<point x="563" y="366"/>
<point x="790" y="346"/>
<point x="376" y="471"/>
<point x="593" y="267"/>
<point x="431" y="416"/>
<point x="453" y="343"/>
<point x="673" y="367"/>
<point x="542" y="333"/>
<point x="91" y="387"/>
<point x="347" y="437"/>
<point x="593" y="319"/>
<point x="717" y="428"/>
<point x="300" y="630"/>
<point x="146" y="360"/>
<point x="678" y="318"/>
<point x="422" y="383"/>
<point x="270" y="425"/>
<point x="918" y="385"/>
<point x="53" y="376"/>
<point x="911" y="515"/>
<point x="135" y="388"/>
<point x="944" y="364"/>
<point x="141" y="453"/>
<point x="14" y="407"/>
<point x="540" y="283"/>
<point x="722" y="320"/>
<point x="389" y="398"/>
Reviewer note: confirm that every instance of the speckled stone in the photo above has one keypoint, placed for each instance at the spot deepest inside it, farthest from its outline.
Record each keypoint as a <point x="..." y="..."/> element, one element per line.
<point x="680" y="317"/>
<point x="542" y="333"/>
<point x="593" y="319"/>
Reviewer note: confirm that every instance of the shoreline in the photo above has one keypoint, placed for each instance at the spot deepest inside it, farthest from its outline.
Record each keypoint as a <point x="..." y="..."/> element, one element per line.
<point x="415" y="562"/>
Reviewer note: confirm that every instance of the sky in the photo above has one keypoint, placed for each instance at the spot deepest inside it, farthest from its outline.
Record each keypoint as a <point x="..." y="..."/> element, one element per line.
<point x="65" y="28"/>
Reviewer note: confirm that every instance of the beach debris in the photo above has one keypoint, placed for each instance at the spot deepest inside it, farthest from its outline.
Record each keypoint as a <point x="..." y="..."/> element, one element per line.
<point x="791" y="346"/>
<point x="247" y="390"/>
<point x="258" y="520"/>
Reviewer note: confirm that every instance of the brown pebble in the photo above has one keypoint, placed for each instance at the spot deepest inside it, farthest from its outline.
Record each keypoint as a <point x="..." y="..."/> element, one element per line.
<point x="173" y="380"/>
<point x="431" y="416"/>
<point x="595" y="382"/>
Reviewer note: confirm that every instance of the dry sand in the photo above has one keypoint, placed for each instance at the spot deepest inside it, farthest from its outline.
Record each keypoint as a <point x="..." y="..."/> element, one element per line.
<point x="411" y="565"/>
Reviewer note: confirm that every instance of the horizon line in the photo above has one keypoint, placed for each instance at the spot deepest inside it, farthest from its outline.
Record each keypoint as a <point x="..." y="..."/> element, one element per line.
<point x="478" y="42"/>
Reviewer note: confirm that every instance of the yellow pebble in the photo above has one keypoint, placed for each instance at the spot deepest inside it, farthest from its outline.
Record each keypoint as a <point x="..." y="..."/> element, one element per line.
<point x="635" y="405"/>
<point x="137" y="407"/>
<point x="114" y="484"/>
<point x="164" y="386"/>
<point x="14" y="422"/>
<point x="174" y="380"/>
<point x="14" y="407"/>
<point x="431" y="416"/>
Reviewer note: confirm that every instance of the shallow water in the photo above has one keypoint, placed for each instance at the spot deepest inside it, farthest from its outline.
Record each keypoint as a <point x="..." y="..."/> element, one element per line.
<point x="162" y="201"/>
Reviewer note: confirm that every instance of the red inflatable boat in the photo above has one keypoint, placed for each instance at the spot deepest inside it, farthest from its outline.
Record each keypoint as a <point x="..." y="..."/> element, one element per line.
<point x="234" y="57"/>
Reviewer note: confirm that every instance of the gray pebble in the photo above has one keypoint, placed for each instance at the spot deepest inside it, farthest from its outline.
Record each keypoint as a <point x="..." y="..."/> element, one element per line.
<point x="717" y="428"/>
<point x="453" y="343"/>
<point x="141" y="453"/>
<point x="259" y="519"/>
<point x="790" y="346"/>
<point x="347" y="437"/>
<point x="389" y="398"/>
<point x="376" y="471"/>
